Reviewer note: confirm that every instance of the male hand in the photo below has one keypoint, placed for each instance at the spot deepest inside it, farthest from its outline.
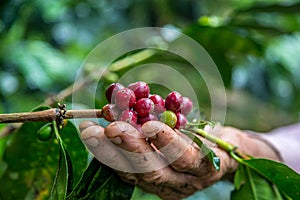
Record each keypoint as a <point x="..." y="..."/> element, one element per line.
<point x="167" y="163"/>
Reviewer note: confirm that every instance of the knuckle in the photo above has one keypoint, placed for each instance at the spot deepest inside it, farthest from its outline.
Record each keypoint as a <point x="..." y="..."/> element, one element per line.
<point x="155" y="177"/>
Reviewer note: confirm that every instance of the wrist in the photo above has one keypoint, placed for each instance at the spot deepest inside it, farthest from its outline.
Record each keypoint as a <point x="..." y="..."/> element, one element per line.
<point x="262" y="148"/>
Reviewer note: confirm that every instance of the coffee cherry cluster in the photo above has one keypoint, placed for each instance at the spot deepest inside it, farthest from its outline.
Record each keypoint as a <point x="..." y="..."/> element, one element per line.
<point x="135" y="105"/>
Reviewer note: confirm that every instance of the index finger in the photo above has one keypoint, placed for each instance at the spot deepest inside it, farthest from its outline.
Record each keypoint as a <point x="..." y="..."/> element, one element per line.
<point x="178" y="149"/>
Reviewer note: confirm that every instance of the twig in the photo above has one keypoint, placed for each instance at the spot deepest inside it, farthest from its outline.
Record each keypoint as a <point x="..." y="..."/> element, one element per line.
<point x="49" y="115"/>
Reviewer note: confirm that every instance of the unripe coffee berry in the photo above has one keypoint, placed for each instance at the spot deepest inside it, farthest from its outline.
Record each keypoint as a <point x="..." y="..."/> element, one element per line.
<point x="168" y="117"/>
<point x="45" y="132"/>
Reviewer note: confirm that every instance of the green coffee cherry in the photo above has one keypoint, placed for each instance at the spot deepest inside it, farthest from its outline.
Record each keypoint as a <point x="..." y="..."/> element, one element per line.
<point x="168" y="117"/>
<point x="45" y="132"/>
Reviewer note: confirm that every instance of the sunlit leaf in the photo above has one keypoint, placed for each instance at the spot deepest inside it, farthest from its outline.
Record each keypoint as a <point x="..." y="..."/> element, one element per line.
<point x="252" y="186"/>
<point x="287" y="180"/>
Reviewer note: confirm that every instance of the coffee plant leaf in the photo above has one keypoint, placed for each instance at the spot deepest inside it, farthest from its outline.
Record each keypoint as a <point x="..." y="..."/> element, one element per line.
<point x="100" y="182"/>
<point x="286" y="179"/>
<point x="30" y="164"/>
<point x="63" y="174"/>
<point x="251" y="185"/>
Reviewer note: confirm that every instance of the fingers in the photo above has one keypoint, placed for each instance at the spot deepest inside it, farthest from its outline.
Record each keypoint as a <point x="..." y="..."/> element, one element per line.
<point x="134" y="147"/>
<point x="178" y="149"/>
<point x="83" y="125"/>
<point x="151" y="168"/>
<point x="123" y="148"/>
<point x="95" y="140"/>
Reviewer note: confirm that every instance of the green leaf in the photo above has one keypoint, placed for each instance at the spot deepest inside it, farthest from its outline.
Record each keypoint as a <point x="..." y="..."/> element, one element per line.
<point x="239" y="177"/>
<point x="30" y="164"/>
<point x="64" y="171"/>
<point x="100" y="182"/>
<point x="287" y="180"/>
<point x="75" y="148"/>
<point x="289" y="9"/>
<point x="81" y="189"/>
<point x="139" y="194"/>
<point x="252" y="186"/>
<point x="210" y="154"/>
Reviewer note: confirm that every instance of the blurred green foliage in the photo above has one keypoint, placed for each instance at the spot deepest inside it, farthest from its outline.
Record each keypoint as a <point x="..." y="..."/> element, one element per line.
<point x="255" y="45"/>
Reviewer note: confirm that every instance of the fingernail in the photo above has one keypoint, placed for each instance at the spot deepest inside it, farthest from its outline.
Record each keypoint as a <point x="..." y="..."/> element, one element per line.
<point x="116" y="140"/>
<point x="151" y="128"/>
<point x="92" y="142"/>
<point x="122" y="126"/>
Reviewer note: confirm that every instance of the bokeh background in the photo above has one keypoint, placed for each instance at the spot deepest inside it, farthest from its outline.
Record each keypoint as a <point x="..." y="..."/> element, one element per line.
<point x="254" y="43"/>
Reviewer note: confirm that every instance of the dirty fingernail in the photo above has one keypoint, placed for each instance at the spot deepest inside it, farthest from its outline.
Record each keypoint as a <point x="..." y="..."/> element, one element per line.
<point x="151" y="128"/>
<point x="116" y="140"/>
<point x="92" y="142"/>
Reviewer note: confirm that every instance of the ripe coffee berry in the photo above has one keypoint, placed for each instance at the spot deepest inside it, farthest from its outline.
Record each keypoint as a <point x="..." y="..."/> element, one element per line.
<point x="181" y="121"/>
<point x="125" y="98"/>
<point x="150" y="117"/>
<point x="144" y="107"/>
<point x="128" y="116"/>
<point x="187" y="106"/>
<point x="111" y="91"/>
<point x="173" y="101"/>
<point x="159" y="104"/>
<point x="140" y="89"/>
<point x="110" y="112"/>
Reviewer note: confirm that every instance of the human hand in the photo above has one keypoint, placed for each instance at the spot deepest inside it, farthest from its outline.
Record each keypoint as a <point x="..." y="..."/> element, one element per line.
<point x="167" y="163"/>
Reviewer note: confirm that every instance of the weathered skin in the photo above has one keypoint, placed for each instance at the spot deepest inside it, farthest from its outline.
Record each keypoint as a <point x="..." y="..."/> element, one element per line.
<point x="178" y="168"/>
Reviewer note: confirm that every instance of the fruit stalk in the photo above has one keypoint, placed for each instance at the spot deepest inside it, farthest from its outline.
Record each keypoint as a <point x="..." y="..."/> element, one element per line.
<point x="231" y="149"/>
<point x="49" y="115"/>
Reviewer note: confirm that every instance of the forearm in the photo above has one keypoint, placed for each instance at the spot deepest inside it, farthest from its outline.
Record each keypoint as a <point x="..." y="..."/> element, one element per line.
<point x="249" y="143"/>
<point x="286" y="141"/>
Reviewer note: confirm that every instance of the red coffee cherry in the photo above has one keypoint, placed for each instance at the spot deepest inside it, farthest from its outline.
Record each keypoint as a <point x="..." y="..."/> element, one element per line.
<point x="111" y="91"/>
<point x="140" y="89"/>
<point x="110" y="112"/>
<point x="144" y="107"/>
<point x="181" y="121"/>
<point x="159" y="103"/>
<point x="187" y="106"/>
<point x="173" y="101"/>
<point x="128" y="116"/>
<point x="125" y="98"/>
<point x="150" y="117"/>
